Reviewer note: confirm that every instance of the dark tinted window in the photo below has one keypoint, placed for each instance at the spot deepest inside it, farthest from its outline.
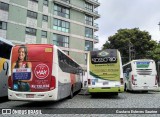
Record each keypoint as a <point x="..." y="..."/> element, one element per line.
<point x="68" y="65"/>
<point x="5" y="50"/>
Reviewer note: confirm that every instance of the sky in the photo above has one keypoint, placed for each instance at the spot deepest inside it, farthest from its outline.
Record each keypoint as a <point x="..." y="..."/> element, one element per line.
<point x="127" y="14"/>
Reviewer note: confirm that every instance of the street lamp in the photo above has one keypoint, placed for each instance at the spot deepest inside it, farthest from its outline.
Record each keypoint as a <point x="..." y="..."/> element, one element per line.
<point x="131" y="51"/>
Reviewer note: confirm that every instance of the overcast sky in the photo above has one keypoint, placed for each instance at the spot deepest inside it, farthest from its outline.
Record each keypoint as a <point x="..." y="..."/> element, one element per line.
<point x="121" y="14"/>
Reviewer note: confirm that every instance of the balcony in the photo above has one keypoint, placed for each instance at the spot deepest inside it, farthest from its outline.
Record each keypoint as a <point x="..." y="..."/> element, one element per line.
<point x="65" y="3"/>
<point x="96" y="39"/>
<point x="94" y="2"/>
<point x="96" y="28"/>
<point x="93" y="13"/>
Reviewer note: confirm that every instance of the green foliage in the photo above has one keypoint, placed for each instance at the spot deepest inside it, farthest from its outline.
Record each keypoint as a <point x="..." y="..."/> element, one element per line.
<point x="141" y="41"/>
<point x="155" y="54"/>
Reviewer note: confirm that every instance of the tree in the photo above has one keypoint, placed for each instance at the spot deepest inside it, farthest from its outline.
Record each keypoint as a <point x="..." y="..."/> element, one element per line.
<point x="140" y="41"/>
<point x="155" y="54"/>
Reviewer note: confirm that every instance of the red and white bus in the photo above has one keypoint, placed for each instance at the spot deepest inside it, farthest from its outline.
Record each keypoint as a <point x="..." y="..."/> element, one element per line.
<point x="42" y="72"/>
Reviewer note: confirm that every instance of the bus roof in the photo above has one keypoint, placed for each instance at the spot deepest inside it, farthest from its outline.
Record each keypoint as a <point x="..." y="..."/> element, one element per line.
<point x="36" y="44"/>
<point x="143" y="60"/>
<point x="50" y="45"/>
<point x="6" y="41"/>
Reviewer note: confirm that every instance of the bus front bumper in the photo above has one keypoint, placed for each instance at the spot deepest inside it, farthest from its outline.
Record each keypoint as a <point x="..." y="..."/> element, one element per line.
<point x="144" y="88"/>
<point x="32" y="96"/>
<point x="106" y="89"/>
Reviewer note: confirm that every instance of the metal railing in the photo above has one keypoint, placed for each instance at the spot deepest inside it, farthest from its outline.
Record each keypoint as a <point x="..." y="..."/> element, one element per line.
<point x="96" y="25"/>
<point x="68" y="1"/>
<point x="96" y="38"/>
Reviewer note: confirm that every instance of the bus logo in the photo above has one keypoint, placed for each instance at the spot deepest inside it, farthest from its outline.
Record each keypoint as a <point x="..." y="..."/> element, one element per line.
<point x="103" y="53"/>
<point x="41" y="71"/>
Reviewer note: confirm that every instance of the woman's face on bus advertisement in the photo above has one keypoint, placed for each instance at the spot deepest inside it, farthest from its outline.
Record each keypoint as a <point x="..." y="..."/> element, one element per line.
<point x="21" y="53"/>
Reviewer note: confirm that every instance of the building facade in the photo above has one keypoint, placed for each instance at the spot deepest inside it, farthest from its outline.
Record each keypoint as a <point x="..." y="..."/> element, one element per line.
<point x="68" y="24"/>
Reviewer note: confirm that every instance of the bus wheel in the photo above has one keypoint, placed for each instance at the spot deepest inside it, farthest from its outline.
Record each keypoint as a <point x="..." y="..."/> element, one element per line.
<point x="93" y="95"/>
<point x="71" y="94"/>
<point x="116" y="94"/>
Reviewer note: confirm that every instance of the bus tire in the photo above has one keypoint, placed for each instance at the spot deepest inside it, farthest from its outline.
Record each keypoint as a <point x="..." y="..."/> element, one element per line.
<point x="71" y="93"/>
<point x="80" y="88"/>
<point x="116" y="94"/>
<point x="93" y="95"/>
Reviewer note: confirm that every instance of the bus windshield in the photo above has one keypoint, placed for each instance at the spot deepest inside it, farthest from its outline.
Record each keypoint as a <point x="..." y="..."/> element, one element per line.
<point x="144" y="64"/>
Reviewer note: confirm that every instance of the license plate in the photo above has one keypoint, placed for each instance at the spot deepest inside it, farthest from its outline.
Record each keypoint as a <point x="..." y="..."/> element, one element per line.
<point x="145" y="87"/>
<point x="105" y="83"/>
<point x="30" y="96"/>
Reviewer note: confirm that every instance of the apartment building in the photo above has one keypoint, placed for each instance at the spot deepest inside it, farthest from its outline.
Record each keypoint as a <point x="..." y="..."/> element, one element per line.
<point x="69" y="24"/>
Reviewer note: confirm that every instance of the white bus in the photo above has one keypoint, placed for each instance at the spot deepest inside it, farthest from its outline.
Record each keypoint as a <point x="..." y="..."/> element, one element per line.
<point x="140" y="75"/>
<point x="105" y="74"/>
<point x="42" y="72"/>
<point x="5" y="50"/>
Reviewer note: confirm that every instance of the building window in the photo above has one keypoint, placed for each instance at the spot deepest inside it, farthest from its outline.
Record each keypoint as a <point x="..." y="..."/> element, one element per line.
<point x="89" y="7"/>
<point x="88" y="45"/>
<point x="3" y="25"/>
<point x="31" y="31"/>
<point x="89" y="32"/>
<point x="61" y="11"/>
<point x="34" y="0"/>
<point x="4" y="6"/>
<point x="89" y="20"/>
<point x="61" y="40"/>
<point x="45" y="2"/>
<point x="32" y="14"/>
<point x="45" y="18"/>
<point x="61" y="25"/>
<point x="44" y="34"/>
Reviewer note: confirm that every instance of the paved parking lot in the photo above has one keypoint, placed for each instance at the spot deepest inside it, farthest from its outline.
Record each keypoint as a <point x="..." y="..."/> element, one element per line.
<point x="98" y="104"/>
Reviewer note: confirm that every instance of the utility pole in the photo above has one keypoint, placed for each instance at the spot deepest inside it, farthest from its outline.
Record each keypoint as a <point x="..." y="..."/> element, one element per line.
<point x="159" y="25"/>
<point x="131" y="51"/>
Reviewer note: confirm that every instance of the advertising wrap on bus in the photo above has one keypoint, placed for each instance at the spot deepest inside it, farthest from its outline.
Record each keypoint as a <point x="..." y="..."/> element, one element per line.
<point x="31" y="70"/>
<point x="105" y="64"/>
